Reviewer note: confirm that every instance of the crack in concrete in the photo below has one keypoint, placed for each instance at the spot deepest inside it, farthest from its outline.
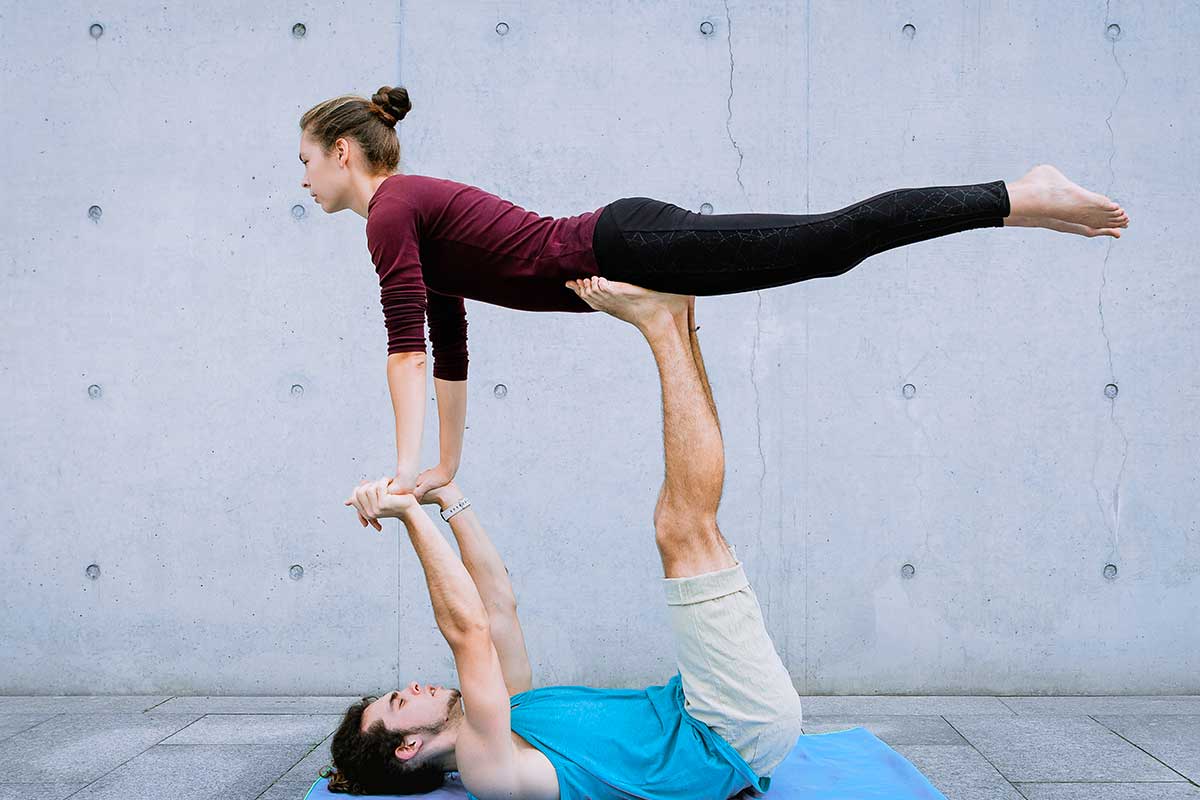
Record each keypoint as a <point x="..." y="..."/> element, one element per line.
<point x="1114" y="527"/>
<point x="762" y="479"/>
<point x="729" y="100"/>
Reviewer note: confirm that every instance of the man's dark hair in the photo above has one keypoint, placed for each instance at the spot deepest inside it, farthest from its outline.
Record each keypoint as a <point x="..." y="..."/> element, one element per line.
<point x="366" y="763"/>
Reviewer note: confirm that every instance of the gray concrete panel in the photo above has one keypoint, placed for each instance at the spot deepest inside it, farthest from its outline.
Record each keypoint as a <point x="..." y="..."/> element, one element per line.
<point x="1002" y="527"/>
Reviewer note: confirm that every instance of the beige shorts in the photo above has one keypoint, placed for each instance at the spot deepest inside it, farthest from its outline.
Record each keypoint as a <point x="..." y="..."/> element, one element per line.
<point x="733" y="679"/>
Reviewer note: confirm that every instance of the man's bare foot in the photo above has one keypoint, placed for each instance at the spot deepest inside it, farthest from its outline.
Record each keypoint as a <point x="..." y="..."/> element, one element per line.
<point x="633" y="304"/>
<point x="1060" y="225"/>
<point x="1047" y="197"/>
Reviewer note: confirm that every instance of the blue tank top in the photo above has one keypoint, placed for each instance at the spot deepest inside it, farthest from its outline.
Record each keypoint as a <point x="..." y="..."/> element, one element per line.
<point x="629" y="744"/>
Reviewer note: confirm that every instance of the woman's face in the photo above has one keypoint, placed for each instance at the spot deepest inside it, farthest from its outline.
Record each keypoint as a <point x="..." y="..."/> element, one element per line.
<point x="326" y="177"/>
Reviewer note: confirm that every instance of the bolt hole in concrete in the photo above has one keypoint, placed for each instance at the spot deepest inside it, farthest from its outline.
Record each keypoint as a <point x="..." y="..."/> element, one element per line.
<point x="706" y="28"/>
<point x="94" y="391"/>
<point x="298" y="30"/>
<point x="1110" y="571"/>
<point x="909" y="30"/>
<point x="92" y="571"/>
<point x="502" y="28"/>
<point x="296" y="572"/>
<point x="1113" y="32"/>
<point x="97" y="30"/>
<point x="1110" y="391"/>
<point x="501" y="391"/>
<point x="909" y="390"/>
<point x="95" y="212"/>
<point x="298" y="211"/>
<point x="907" y="571"/>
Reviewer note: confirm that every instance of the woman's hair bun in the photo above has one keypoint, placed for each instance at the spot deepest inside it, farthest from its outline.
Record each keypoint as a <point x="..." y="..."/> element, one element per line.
<point x="392" y="103"/>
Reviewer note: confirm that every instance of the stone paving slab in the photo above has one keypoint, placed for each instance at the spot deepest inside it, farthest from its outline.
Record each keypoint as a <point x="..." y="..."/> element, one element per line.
<point x="856" y="705"/>
<point x="43" y="791"/>
<point x="11" y="724"/>
<point x="1174" y="740"/>
<point x="1124" y="706"/>
<point x="67" y="749"/>
<point x="892" y="729"/>
<point x="308" y="770"/>
<point x="1094" y="791"/>
<point x="78" y="704"/>
<point x="257" y="729"/>
<point x="1051" y="749"/>
<point x="958" y="771"/>
<point x="256" y="705"/>
<point x="289" y="791"/>
<point x="196" y="772"/>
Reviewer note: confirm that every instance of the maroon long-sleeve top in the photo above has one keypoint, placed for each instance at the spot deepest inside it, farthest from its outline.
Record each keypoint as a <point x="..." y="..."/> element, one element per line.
<point x="435" y="241"/>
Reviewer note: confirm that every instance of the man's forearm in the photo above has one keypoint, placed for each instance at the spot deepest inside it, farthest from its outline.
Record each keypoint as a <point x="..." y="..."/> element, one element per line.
<point x="457" y="606"/>
<point x="452" y="420"/>
<point x="481" y="558"/>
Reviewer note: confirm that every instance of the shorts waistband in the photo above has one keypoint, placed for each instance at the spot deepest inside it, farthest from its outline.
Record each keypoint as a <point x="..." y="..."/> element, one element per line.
<point x="708" y="586"/>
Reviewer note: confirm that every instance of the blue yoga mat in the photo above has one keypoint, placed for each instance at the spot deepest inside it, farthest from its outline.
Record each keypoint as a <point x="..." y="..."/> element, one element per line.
<point x="853" y="764"/>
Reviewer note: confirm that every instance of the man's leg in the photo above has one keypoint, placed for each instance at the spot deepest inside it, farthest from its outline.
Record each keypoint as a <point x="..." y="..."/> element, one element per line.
<point x="685" y="518"/>
<point x="731" y="675"/>
<point x="695" y="340"/>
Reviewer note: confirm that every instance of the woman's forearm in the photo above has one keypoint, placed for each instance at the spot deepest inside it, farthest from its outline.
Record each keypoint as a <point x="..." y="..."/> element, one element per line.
<point x="452" y="420"/>
<point x="406" y="383"/>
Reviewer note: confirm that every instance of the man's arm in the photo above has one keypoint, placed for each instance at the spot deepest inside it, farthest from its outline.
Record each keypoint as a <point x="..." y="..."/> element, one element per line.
<point x="486" y="568"/>
<point x="487" y="757"/>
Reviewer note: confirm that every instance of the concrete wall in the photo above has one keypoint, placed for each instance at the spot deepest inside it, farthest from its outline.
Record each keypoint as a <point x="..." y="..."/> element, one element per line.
<point x="192" y="373"/>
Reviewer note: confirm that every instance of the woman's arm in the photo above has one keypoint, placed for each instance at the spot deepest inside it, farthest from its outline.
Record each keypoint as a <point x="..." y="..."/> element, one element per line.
<point x="406" y="383"/>
<point x="452" y="421"/>
<point x="448" y="335"/>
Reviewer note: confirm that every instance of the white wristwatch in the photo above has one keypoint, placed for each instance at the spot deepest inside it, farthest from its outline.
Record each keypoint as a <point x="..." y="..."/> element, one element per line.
<point x="450" y="511"/>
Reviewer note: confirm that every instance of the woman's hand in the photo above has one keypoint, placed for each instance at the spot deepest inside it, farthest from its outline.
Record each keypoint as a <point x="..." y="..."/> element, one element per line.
<point x="444" y="496"/>
<point x="432" y="478"/>
<point x="404" y="480"/>
<point x="373" y="500"/>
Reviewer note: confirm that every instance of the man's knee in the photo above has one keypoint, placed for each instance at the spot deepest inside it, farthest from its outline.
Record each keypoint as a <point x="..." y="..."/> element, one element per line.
<point x="676" y="523"/>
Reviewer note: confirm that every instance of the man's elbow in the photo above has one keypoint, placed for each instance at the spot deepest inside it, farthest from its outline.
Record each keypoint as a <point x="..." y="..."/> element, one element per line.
<point x="466" y="631"/>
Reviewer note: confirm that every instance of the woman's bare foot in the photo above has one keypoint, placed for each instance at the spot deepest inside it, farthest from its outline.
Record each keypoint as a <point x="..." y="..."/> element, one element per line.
<point x="1059" y="225"/>
<point x="1047" y="197"/>
<point x="633" y="304"/>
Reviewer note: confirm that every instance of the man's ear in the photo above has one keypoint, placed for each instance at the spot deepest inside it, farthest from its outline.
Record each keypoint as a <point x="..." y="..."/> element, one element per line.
<point x="409" y="747"/>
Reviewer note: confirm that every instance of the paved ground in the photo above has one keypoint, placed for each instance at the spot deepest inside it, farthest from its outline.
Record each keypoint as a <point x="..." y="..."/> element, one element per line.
<point x="271" y="748"/>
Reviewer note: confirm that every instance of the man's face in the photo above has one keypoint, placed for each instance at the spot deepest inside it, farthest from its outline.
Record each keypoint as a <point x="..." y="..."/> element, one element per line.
<point x="417" y="705"/>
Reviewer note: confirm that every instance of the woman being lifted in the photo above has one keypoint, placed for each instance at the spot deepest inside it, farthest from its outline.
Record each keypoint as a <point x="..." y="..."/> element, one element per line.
<point x="436" y="241"/>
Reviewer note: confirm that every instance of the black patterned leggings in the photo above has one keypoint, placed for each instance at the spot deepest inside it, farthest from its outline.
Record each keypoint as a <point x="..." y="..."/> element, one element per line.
<point x="664" y="247"/>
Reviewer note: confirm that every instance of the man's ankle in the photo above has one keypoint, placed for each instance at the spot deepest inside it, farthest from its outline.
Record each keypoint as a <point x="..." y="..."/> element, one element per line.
<point x="659" y="323"/>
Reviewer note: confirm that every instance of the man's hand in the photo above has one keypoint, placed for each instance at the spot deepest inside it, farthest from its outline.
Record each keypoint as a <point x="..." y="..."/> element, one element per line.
<point x="432" y="478"/>
<point x="375" y="499"/>
<point x="443" y="496"/>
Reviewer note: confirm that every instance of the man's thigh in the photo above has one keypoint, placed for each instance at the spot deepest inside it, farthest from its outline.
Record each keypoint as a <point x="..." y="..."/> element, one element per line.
<point x="732" y="676"/>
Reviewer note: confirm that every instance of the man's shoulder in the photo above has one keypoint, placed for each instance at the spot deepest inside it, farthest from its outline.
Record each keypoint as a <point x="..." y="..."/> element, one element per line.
<point x="531" y="777"/>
